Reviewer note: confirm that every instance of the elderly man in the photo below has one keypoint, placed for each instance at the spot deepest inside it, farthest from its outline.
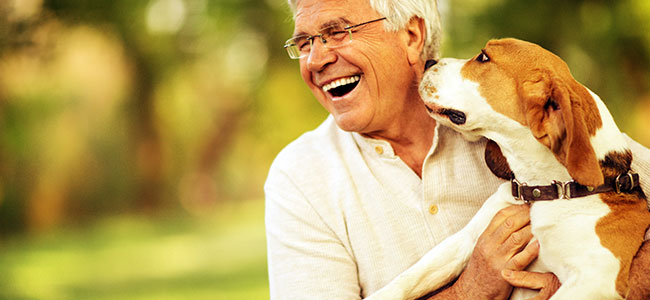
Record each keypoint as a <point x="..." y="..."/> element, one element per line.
<point x="354" y="203"/>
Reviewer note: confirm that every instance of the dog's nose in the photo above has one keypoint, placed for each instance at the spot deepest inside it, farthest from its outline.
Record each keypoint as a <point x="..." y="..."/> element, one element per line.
<point x="430" y="63"/>
<point x="455" y="116"/>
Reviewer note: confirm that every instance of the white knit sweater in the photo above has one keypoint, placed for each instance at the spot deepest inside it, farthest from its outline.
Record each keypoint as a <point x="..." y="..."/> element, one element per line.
<point x="344" y="215"/>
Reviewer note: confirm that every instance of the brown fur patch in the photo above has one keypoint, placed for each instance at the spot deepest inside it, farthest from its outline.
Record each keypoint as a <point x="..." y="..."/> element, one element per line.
<point x="535" y="88"/>
<point x="514" y="63"/>
<point x="496" y="162"/>
<point x="623" y="229"/>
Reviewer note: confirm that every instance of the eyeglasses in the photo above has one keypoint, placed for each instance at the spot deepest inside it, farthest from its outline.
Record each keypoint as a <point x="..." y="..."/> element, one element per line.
<point x="331" y="37"/>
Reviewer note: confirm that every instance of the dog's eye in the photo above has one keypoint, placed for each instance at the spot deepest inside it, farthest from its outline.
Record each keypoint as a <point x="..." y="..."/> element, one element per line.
<point x="482" y="57"/>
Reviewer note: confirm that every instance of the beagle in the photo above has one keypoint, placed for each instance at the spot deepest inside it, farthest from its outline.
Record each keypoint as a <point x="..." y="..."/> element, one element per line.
<point x="557" y="144"/>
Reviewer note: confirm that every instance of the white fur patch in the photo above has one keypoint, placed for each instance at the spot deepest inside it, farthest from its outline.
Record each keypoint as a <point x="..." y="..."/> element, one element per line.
<point x="571" y="249"/>
<point x="608" y="138"/>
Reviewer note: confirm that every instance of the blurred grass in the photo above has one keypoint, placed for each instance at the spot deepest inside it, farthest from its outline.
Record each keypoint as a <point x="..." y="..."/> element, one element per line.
<point x="129" y="257"/>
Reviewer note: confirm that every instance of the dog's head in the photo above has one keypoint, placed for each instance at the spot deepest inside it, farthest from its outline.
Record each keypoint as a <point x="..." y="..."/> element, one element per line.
<point x="512" y="84"/>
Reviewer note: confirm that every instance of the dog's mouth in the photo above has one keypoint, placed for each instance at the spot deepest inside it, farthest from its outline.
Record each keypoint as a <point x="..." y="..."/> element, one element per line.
<point x="455" y="116"/>
<point x="342" y="86"/>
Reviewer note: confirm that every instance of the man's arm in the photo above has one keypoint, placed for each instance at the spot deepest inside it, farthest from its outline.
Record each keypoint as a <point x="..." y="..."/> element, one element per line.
<point x="305" y="258"/>
<point x="641" y="165"/>
<point x="639" y="275"/>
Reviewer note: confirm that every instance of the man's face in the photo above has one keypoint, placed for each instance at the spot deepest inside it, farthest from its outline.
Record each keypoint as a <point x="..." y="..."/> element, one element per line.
<point x="373" y="67"/>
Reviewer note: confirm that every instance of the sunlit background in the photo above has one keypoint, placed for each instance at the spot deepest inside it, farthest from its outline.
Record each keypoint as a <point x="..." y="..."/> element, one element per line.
<point x="135" y="136"/>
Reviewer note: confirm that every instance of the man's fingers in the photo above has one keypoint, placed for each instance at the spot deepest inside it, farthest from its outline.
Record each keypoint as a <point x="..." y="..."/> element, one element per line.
<point x="503" y="214"/>
<point x="523" y="279"/>
<point x="546" y="283"/>
<point x="510" y="226"/>
<point x="553" y="284"/>
<point x="524" y="258"/>
<point x="517" y="240"/>
<point x="507" y="221"/>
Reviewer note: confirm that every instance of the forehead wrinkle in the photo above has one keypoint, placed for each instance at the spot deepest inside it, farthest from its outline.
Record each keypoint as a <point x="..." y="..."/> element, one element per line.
<point x="339" y="21"/>
<point x="328" y="24"/>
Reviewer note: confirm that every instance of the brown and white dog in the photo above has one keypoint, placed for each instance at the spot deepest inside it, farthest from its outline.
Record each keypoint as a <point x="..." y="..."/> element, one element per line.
<point x="563" y="154"/>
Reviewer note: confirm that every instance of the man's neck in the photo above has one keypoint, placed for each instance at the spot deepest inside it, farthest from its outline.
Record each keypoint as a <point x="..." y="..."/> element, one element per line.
<point x="411" y="137"/>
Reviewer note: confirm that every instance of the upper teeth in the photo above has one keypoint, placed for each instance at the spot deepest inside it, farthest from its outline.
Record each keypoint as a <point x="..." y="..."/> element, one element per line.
<point x="340" y="82"/>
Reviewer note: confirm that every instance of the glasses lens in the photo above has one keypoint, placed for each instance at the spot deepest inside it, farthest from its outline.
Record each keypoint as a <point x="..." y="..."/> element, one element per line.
<point x="293" y="51"/>
<point x="331" y="37"/>
<point x="297" y="46"/>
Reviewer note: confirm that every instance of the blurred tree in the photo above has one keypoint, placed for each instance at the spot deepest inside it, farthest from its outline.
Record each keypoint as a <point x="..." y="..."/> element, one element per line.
<point x="17" y="26"/>
<point x="187" y="74"/>
<point x="160" y="38"/>
<point x="125" y="18"/>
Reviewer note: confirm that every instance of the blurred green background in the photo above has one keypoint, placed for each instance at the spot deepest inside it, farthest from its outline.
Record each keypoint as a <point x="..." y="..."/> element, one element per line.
<point x="135" y="136"/>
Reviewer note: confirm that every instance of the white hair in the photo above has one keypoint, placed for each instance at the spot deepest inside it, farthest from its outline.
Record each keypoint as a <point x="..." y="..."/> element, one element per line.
<point x="400" y="12"/>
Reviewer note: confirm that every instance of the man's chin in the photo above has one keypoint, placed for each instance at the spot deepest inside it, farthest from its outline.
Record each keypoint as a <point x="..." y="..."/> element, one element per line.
<point x="347" y="122"/>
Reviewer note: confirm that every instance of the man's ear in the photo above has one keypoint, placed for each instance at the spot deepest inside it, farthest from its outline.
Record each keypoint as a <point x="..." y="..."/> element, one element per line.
<point x="416" y="33"/>
<point x="555" y="114"/>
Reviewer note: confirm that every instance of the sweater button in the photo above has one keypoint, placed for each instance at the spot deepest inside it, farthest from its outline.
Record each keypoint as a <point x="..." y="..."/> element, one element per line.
<point x="379" y="150"/>
<point x="433" y="209"/>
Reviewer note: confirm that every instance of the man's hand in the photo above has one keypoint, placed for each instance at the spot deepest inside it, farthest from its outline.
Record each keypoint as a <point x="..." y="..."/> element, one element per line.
<point x="498" y="248"/>
<point x="639" y="276"/>
<point x="498" y="260"/>
<point x="546" y="283"/>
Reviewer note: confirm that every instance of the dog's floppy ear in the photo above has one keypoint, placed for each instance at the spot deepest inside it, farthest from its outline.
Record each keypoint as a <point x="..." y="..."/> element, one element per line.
<point x="555" y="113"/>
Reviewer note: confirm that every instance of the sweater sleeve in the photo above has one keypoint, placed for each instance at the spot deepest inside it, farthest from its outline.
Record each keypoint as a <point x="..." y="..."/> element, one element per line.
<point x="306" y="260"/>
<point x="641" y="165"/>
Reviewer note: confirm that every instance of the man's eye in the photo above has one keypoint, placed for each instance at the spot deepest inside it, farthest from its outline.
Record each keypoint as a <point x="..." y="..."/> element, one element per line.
<point x="302" y="43"/>
<point x="482" y="57"/>
<point x="338" y="34"/>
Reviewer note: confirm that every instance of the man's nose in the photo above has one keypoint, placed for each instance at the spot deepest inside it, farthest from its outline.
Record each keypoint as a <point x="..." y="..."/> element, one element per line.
<point x="319" y="55"/>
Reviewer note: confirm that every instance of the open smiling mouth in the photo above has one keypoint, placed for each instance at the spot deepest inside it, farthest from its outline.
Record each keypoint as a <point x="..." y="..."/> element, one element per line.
<point x="342" y="87"/>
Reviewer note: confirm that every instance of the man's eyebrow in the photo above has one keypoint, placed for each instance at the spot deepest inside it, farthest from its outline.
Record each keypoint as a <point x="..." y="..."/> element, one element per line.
<point x="337" y="22"/>
<point x="328" y="24"/>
